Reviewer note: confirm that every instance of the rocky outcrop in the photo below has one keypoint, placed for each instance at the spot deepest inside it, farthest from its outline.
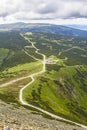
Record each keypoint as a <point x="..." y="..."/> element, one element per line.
<point x="12" y="118"/>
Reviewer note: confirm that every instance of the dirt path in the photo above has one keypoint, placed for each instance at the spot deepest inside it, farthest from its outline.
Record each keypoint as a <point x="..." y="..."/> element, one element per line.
<point x="32" y="77"/>
<point x="37" y="108"/>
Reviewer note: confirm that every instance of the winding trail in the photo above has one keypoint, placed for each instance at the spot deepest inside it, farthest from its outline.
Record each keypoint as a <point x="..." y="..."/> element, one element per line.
<point x="35" y="107"/>
<point x="32" y="80"/>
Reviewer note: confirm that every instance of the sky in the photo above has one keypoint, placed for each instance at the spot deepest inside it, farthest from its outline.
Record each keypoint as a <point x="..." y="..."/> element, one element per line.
<point x="44" y="11"/>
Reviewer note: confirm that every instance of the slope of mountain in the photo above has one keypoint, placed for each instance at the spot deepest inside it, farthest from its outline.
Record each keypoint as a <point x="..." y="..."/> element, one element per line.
<point x="48" y="28"/>
<point x="76" y="26"/>
<point x="21" y="118"/>
<point x="62" y="89"/>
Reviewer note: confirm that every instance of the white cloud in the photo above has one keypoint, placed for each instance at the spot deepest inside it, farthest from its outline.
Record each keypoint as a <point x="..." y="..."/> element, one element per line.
<point x="56" y="10"/>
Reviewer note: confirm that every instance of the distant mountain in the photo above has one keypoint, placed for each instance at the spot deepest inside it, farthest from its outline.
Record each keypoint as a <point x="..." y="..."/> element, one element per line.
<point x="40" y="27"/>
<point x="81" y="27"/>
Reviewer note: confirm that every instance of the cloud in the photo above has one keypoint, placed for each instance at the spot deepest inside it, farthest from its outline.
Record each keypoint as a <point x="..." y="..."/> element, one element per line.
<point x="26" y="10"/>
<point x="47" y="8"/>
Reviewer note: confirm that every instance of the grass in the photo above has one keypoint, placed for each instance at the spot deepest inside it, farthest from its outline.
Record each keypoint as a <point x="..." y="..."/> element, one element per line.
<point x="20" y="71"/>
<point x="62" y="90"/>
<point x="10" y="93"/>
<point x="62" y="86"/>
<point x="53" y="93"/>
<point x="21" y="67"/>
<point x="3" y="53"/>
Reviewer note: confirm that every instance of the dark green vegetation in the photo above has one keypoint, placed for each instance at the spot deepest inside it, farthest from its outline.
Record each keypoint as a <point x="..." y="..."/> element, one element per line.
<point x="15" y="43"/>
<point x="32" y="52"/>
<point x="72" y="48"/>
<point x="12" y="40"/>
<point x="14" y="61"/>
<point x="63" y="88"/>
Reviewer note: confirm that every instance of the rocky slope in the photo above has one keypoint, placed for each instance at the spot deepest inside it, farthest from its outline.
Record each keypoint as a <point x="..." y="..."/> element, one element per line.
<point x="12" y="118"/>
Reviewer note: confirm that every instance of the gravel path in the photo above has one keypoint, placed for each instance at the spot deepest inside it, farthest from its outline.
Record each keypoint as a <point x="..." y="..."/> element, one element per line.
<point x="23" y="119"/>
<point x="37" y="108"/>
<point x="25" y="103"/>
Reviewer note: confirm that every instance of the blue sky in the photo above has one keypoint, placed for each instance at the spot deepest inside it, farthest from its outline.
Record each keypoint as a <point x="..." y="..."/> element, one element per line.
<point x="45" y="11"/>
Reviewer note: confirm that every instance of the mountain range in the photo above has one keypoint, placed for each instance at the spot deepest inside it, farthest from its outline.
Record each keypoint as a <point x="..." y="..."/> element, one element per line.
<point x="40" y="27"/>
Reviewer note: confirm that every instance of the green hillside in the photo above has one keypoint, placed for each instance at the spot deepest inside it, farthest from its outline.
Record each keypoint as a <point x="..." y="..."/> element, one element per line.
<point x="13" y="57"/>
<point x="62" y="89"/>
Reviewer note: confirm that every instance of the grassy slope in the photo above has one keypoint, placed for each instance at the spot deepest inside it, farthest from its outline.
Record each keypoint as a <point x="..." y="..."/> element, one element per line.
<point x="3" y="54"/>
<point x="20" y="71"/>
<point x="60" y="93"/>
<point x="15" y="63"/>
<point x="62" y="89"/>
<point x="10" y="93"/>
